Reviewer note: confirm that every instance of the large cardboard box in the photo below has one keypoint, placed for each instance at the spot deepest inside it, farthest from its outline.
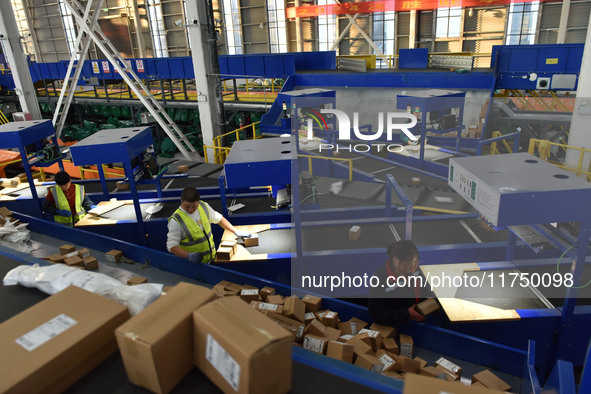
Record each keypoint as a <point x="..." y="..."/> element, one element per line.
<point x="491" y="381"/>
<point x="340" y="351"/>
<point x="240" y="349"/>
<point x="49" y="346"/>
<point x="157" y="344"/>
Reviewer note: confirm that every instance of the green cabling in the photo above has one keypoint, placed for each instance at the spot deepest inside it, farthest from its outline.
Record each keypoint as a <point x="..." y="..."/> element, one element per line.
<point x="558" y="265"/>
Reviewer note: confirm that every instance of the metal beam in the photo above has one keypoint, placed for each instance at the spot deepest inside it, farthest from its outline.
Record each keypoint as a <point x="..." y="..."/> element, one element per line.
<point x="205" y="63"/>
<point x="564" y="11"/>
<point x="139" y="34"/>
<point x="19" y="66"/>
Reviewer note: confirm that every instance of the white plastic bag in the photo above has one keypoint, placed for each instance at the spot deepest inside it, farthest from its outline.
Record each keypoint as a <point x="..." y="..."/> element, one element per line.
<point x="54" y="278"/>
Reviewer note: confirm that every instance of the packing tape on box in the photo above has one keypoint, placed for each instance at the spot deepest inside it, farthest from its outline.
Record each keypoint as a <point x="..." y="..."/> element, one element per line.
<point x="246" y="324"/>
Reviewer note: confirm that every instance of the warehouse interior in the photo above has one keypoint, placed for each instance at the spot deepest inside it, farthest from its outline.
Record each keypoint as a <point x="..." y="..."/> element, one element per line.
<point x="269" y="196"/>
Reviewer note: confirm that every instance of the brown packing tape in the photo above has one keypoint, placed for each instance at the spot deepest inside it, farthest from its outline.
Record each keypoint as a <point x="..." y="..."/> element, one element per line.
<point x="245" y="323"/>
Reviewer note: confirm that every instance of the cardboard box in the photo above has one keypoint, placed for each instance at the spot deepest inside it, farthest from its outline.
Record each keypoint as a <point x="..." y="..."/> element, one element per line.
<point x="167" y="289"/>
<point x="136" y="280"/>
<point x="156" y="345"/>
<point x="114" y="255"/>
<point x="234" y="288"/>
<point x="182" y="168"/>
<point x="393" y="374"/>
<point x="49" y="346"/>
<point x="265" y="306"/>
<point x="349" y="327"/>
<point x="249" y="295"/>
<point x="364" y="337"/>
<point x="418" y="384"/>
<point x="367" y="361"/>
<point x="421" y="361"/>
<point x="390" y="364"/>
<point x="330" y="319"/>
<point x="385" y="331"/>
<point x="449" y="366"/>
<point x="359" y="323"/>
<point x="354" y="233"/>
<point x="229" y="244"/>
<point x="406" y="346"/>
<point x="332" y="333"/>
<point x="427" y="307"/>
<point x="309" y="317"/>
<point x="275" y="299"/>
<point x="252" y="241"/>
<point x="224" y="254"/>
<point x="74" y="260"/>
<point x="5" y="212"/>
<point x="450" y="377"/>
<point x="55" y="258"/>
<point x="90" y="263"/>
<point x="84" y="253"/>
<point x="375" y="338"/>
<point x="65" y="249"/>
<point x="315" y="328"/>
<point x="315" y="343"/>
<point x="241" y="350"/>
<point x="267" y="291"/>
<point x="491" y="381"/>
<point x="294" y="308"/>
<point x="391" y="346"/>
<point x="359" y="347"/>
<point x="294" y="327"/>
<point x="340" y="351"/>
<point x="433" y="372"/>
<point x="407" y="364"/>
<point x="71" y="254"/>
<point x="345" y="338"/>
<point x="313" y="304"/>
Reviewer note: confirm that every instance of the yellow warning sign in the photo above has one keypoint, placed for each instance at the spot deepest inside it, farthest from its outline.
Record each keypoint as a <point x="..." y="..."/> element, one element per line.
<point x="552" y="60"/>
<point x="95" y="67"/>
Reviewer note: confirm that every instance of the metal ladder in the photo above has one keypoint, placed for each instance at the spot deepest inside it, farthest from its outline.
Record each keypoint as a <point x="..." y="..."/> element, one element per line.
<point x="124" y="69"/>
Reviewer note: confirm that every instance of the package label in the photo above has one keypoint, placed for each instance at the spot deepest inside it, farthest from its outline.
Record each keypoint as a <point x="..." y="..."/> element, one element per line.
<point x="309" y="315"/>
<point x="250" y="292"/>
<point x="37" y="337"/>
<point x="313" y="344"/>
<point x="386" y="360"/>
<point x="377" y="368"/>
<point x="371" y="333"/>
<point x="222" y="362"/>
<point x="300" y="332"/>
<point x="406" y="350"/>
<point x="354" y="328"/>
<point x="448" y="365"/>
<point x="267" y="306"/>
<point x="330" y="315"/>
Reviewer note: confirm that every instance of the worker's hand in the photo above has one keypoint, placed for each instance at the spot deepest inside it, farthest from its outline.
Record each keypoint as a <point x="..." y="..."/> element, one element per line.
<point x="195" y="257"/>
<point x="63" y="212"/>
<point x="414" y="315"/>
<point x="242" y="234"/>
<point x="93" y="206"/>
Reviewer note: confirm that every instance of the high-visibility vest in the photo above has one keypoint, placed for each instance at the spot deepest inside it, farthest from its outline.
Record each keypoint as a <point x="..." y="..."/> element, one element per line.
<point x="196" y="238"/>
<point x="61" y="202"/>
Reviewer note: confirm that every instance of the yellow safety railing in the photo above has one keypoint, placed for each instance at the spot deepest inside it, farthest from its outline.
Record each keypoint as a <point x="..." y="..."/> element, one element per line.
<point x="493" y="145"/>
<point x="544" y="146"/>
<point x="3" y="119"/>
<point x="310" y="157"/>
<point x="219" y="153"/>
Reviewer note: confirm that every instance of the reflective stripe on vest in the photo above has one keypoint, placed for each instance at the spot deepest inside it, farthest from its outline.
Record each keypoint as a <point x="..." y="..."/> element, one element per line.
<point x="200" y="239"/>
<point x="62" y="203"/>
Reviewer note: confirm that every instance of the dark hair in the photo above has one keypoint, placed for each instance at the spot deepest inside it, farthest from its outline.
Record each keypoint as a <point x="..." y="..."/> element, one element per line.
<point x="190" y="194"/>
<point x="62" y="178"/>
<point x="404" y="250"/>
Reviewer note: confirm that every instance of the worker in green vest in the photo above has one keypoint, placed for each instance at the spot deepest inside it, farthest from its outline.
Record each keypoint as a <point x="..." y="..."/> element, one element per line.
<point x="67" y="201"/>
<point x="189" y="228"/>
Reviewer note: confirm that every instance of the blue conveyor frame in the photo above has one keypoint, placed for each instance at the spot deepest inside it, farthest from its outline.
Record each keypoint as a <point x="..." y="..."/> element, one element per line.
<point x="518" y="362"/>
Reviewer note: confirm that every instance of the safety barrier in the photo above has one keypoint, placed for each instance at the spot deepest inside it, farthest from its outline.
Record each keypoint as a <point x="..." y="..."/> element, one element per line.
<point x="220" y="153"/>
<point x="543" y="148"/>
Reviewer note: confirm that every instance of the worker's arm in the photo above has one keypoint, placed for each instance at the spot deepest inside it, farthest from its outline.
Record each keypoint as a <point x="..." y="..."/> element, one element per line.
<point x="177" y="251"/>
<point x="87" y="203"/>
<point x="49" y="204"/>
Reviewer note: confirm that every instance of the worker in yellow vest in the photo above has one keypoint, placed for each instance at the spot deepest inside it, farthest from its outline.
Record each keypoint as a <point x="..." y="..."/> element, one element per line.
<point x="189" y="228"/>
<point x="66" y="201"/>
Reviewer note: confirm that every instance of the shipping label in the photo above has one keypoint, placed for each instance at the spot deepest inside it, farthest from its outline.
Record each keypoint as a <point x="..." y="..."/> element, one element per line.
<point x="37" y="337"/>
<point x="222" y="362"/>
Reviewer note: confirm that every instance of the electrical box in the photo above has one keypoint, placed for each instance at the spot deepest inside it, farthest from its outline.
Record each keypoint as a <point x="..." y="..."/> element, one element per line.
<point x="519" y="188"/>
